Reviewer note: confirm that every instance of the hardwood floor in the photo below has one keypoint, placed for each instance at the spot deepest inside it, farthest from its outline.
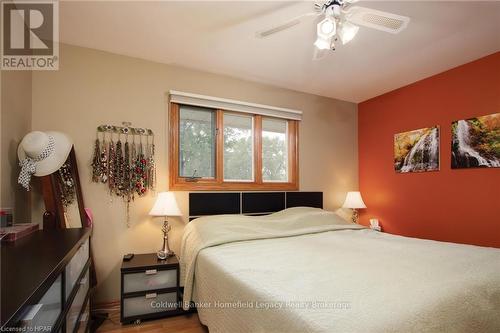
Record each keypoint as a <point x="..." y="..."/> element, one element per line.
<point x="183" y="324"/>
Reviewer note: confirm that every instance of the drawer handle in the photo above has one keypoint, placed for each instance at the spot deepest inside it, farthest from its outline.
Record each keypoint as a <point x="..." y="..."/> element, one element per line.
<point x="151" y="271"/>
<point x="152" y="295"/>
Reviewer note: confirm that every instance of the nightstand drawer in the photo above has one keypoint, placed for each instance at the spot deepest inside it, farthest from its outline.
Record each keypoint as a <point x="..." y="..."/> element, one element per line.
<point x="149" y="303"/>
<point x="149" y="280"/>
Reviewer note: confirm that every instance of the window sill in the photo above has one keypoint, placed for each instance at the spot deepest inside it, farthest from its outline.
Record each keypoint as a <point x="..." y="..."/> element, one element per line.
<point x="233" y="186"/>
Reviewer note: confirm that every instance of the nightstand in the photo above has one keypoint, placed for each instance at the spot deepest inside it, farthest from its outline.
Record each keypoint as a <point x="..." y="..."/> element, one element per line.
<point x="149" y="288"/>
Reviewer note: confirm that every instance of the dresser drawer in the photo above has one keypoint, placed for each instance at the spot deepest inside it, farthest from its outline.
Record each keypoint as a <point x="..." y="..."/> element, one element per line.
<point x="42" y="316"/>
<point x="149" y="280"/>
<point x="77" y="305"/>
<point x="75" y="267"/>
<point x="149" y="303"/>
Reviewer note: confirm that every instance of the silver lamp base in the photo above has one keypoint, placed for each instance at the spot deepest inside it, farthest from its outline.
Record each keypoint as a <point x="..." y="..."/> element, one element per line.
<point x="165" y="251"/>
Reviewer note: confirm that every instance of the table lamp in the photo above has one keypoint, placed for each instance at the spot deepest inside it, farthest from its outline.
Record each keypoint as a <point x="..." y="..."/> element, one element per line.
<point x="354" y="201"/>
<point x="165" y="205"/>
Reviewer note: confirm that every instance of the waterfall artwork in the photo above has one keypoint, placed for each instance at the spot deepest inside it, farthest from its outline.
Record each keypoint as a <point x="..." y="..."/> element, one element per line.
<point x="476" y="142"/>
<point x="417" y="151"/>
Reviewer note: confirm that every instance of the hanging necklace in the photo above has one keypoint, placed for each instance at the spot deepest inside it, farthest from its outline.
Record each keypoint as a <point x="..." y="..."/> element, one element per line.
<point x="127" y="193"/>
<point x="126" y="171"/>
<point x="119" y="168"/>
<point x="96" y="161"/>
<point x="140" y="171"/>
<point x="66" y="185"/>
<point x="146" y="168"/>
<point x="104" y="160"/>
<point x="111" y="166"/>
<point x="151" y="165"/>
<point x="133" y="158"/>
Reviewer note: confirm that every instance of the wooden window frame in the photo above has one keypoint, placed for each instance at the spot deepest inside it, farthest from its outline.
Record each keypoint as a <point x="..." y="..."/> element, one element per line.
<point x="177" y="183"/>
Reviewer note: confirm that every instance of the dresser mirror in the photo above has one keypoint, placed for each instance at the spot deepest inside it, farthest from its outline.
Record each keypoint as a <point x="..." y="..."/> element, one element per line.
<point x="62" y="195"/>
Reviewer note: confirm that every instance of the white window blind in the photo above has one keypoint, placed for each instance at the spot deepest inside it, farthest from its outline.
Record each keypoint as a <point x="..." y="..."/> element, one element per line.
<point x="233" y="105"/>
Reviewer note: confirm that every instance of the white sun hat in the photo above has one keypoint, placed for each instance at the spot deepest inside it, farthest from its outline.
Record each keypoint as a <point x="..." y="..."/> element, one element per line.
<point x="42" y="153"/>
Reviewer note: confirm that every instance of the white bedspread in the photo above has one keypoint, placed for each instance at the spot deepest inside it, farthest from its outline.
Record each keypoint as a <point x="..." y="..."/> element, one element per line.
<point x="338" y="279"/>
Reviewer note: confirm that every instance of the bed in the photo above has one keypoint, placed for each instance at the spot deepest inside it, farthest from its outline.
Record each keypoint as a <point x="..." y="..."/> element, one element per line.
<point x="308" y="270"/>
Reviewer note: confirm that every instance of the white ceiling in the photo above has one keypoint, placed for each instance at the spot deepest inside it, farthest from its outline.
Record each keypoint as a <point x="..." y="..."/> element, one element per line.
<point x="220" y="37"/>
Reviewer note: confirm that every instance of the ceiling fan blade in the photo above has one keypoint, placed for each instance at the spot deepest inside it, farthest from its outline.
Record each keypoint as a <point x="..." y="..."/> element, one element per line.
<point x="286" y="25"/>
<point x="377" y="19"/>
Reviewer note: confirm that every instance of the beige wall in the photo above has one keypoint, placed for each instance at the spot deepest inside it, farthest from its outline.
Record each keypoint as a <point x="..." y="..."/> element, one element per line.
<point x="15" y="123"/>
<point x="93" y="88"/>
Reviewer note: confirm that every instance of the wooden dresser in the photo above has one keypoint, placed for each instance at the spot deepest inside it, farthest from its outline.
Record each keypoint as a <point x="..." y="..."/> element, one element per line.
<point x="45" y="282"/>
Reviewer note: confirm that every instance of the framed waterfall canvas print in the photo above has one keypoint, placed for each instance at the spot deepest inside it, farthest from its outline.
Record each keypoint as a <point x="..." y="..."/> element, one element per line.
<point x="475" y="142"/>
<point x="417" y="150"/>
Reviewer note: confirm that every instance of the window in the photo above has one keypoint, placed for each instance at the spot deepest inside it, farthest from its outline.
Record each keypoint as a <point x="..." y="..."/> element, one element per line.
<point x="238" y="147"/>
<point x="274" y="150"/>
<point x="213" y="149"/>
<point x="197" y="142"/>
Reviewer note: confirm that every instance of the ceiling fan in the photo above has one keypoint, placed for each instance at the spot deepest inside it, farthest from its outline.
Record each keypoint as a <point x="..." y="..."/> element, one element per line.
<point x="341" y="22"/>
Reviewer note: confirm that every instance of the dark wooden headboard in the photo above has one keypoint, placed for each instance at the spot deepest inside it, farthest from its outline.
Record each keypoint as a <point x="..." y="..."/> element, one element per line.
<point x="249" y="203"/>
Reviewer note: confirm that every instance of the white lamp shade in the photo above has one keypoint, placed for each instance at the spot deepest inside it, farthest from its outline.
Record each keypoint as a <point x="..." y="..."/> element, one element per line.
<point x="354" y="200"/>
<point x="165" y="205"/>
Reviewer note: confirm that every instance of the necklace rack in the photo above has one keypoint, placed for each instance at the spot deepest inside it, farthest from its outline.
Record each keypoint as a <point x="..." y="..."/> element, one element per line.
<point x="127" y="165"/>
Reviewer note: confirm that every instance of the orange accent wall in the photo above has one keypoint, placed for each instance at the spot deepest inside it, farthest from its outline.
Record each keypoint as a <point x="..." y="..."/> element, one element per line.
<point x="459" y="205"/>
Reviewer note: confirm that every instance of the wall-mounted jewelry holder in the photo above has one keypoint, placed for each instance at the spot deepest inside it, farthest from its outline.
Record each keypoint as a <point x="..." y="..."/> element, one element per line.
<point x="125" y="129"/>
<point x="124" y="161"/>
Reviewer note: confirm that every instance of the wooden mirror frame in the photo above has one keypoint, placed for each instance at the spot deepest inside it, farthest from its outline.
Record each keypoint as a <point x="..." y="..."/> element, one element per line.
<point x="54" y="209"/>
<point x="53" y="217"/>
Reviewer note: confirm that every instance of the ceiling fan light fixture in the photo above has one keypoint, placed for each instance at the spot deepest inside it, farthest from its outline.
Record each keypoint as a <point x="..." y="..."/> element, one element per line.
<point x="323" y="43"/>
<point x="327" y="28"/>
<point x="340" y="22"/>
<point x="347" y="32"/>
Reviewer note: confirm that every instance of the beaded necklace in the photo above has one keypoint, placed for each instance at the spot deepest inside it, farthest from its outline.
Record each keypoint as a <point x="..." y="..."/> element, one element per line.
<point x="126" y="172"/>
<point x="151" y="166"/>
<point x="111" y="166"/>
<point x="66" y="185"/>
<point x="119" y="172"/>
<point x="104" y="161"/>
<point x="140" y="172"/>
<point x="96" y="162"/>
